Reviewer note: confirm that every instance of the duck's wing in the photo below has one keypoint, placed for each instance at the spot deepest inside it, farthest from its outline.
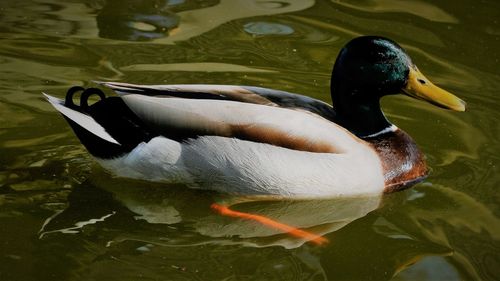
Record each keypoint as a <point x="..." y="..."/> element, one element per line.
<point x="131" y="119"/>
<point x="181" y="119"/>
<point x="245" y="94"/>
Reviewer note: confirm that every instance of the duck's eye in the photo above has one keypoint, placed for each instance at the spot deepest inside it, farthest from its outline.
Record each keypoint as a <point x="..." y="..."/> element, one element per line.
<point x="422" y="81"/>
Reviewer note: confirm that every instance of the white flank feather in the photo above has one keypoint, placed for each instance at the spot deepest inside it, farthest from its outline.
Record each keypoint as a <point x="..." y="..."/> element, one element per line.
<point x="243" y="167"/>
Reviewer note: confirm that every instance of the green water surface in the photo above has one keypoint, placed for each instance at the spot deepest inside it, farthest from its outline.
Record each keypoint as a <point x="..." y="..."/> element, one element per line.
<point x="63" y="218"/>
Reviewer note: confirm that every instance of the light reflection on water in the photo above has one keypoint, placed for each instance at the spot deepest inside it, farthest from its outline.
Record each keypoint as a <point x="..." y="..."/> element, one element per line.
<point x="62" y="216"/>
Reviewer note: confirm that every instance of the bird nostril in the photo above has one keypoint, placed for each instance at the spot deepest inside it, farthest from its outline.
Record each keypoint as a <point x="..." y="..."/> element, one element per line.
<point x="422" y="81"/>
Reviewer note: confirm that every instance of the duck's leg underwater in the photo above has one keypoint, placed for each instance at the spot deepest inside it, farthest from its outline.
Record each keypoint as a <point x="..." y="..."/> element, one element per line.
<point x="293" y="231"/>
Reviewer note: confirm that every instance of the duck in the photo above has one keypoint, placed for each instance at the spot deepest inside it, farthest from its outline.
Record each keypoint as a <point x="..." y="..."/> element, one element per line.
<point x="255" y="141"/>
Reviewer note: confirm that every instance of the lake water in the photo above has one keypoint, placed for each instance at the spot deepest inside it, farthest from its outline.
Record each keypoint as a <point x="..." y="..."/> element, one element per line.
<point x="63" y="218"/>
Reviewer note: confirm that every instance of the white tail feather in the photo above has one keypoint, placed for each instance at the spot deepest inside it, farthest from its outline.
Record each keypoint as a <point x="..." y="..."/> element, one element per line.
<point x="83" y="120"/>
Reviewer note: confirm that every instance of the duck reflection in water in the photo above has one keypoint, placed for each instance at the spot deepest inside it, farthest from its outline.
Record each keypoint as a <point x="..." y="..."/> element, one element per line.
<point x="121" y="214"/>
<point x="181" y="207"/>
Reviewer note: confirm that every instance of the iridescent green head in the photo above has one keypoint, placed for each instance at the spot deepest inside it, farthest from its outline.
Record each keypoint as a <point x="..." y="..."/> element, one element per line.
<point x="370" y="67"/>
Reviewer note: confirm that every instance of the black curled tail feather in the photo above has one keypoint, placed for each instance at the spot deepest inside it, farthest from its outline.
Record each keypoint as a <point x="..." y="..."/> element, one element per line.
<point x="84" y="97"/>
<point x="112" y="114"/>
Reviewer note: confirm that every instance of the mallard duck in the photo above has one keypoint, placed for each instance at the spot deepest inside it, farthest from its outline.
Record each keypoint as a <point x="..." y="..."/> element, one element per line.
<point x="257" y="141"/>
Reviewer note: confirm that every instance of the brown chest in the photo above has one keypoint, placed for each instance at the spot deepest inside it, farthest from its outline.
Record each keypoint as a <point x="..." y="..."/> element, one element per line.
<point x="402" y="161"/>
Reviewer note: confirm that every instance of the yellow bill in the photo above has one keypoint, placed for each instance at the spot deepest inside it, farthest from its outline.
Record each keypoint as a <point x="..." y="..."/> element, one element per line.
<point x="421" y="88"/>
